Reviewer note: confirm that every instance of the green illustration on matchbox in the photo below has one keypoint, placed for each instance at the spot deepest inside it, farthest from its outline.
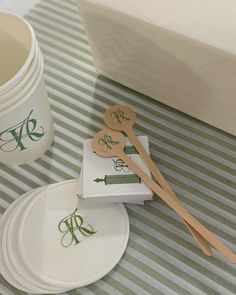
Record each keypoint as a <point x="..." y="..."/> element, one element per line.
<point x="14" y="138"/>
<point x="119" y="116"/>
<point x="120" y="165"/>
<point x="130" y="150"/>
<point x="119" y="179"/>
<point x="71" y="227"/>
<point x="106" y="142"/>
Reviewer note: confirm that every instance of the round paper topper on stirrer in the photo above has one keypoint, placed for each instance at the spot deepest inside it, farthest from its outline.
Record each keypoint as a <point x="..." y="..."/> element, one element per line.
<point x="107" y="143"/>
<point x="120" y="117"/>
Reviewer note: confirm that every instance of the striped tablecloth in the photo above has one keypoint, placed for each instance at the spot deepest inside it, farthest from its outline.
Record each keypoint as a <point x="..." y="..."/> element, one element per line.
<point x="198" y="161"/>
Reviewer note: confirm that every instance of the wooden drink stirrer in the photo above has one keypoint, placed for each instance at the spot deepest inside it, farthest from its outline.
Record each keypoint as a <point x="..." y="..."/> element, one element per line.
<point x="109" y="143"/>
<point x="122" y="118"/>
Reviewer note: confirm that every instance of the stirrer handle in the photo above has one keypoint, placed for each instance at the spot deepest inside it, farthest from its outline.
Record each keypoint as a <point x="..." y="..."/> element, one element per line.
<point x="183" y="213"/>
<point x="164" y="184"/>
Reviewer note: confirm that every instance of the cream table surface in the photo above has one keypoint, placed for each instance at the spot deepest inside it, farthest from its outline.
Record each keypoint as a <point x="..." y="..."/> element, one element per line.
<point x="199" y="161"/>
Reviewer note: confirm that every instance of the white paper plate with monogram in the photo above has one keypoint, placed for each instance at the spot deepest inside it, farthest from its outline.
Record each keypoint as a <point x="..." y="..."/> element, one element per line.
<point x="69" y="244"/>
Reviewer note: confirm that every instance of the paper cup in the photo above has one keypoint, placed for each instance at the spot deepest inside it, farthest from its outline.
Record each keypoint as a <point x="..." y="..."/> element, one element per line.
<point x="26" y="128"/>
<point x="16" y="36"/>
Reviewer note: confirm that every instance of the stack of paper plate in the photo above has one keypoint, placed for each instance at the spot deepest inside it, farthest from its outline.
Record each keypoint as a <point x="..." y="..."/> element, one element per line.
<point x="52" y="242"/>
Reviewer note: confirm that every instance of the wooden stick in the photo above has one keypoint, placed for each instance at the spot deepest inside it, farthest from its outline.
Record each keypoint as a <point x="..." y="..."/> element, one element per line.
<point x="108" y="143"/>
<point x="164" y="184"/>
<point x="183" y="213"/>
<point x="122" y="118"/>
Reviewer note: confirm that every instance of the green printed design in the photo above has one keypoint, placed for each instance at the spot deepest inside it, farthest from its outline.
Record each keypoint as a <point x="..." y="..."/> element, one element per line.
<point x="130" y="150"/>
<point x="12" y="139"/>
<point x="119" y="179"/>
<point x="70" y="226"/>
<point x="106" y="142"/>
<point x="119" y="116"/>
<point x="119" y="165"/>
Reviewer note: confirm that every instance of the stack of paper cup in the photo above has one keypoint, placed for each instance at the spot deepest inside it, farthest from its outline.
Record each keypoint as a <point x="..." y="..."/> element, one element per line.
<point x="26" y="128"/>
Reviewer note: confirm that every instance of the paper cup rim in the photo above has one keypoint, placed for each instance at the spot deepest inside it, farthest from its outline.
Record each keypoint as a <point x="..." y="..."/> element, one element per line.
<point x="13" y="94"/>
<point x="20" y="101"/>
<point x="30" y="56"/>
<point x="28" y="84"/>
<point x="20" y="85"/>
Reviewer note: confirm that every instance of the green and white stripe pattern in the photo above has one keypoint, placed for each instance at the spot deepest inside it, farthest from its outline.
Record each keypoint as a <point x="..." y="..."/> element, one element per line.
<point x="198" y="161"/>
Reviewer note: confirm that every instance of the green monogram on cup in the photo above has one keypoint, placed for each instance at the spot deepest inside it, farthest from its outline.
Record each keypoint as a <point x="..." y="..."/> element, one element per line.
<point x="106" y="142"/>
<point x="119" y="115"/>
<point x="70" y="226"/>
<point x="14" y="138"/>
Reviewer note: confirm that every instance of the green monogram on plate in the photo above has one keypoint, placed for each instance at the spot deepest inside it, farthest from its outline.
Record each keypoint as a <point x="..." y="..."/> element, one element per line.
<point x="70" y="226"/>
<point x="13" y="138"/>
<point x="106" y="142"/>
<point x="119" y="115"/>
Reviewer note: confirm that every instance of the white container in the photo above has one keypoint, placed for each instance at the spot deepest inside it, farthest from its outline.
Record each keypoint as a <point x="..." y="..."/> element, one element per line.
<point x="182" y="53"/>
<point x="26" y="127"/>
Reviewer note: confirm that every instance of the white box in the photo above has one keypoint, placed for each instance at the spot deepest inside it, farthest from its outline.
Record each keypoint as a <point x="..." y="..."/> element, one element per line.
<point x="110" y="180"/>
<point x="182" y="52"/>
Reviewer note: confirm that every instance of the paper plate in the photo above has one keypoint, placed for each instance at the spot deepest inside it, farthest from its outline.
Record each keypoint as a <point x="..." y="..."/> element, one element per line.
<point x="12" y="258"/>
<point x="71" y="248"/>
<point x="3" y="268"/>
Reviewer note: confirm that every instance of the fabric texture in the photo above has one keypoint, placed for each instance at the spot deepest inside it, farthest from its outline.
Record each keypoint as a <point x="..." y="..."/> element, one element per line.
<point x="198" y="160"/>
